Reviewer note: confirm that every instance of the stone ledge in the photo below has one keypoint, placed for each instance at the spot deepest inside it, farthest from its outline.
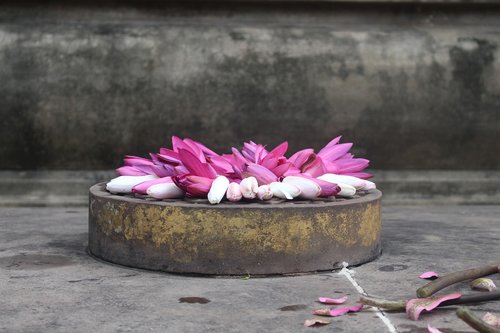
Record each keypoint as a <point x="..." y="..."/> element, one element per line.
<point x="70" y="188"/>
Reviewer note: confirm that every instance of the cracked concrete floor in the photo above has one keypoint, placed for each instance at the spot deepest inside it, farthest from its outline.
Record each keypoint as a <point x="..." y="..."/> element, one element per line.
<point x="48" y="283"/>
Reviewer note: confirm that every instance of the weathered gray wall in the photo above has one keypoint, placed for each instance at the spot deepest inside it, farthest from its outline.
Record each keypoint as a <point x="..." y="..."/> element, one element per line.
<point x="416" y="87"/>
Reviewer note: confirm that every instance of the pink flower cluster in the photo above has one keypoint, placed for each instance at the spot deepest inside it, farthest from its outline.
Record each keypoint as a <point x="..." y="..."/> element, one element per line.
<point x="192" y="169"/>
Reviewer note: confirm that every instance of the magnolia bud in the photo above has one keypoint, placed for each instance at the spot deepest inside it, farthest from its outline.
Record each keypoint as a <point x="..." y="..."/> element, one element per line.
<point x="264" y="192"/>
<point x="124" y="184"/>
<point x="233" y="192"/>
<point x="284" y="191"/>
<point x="308" y="188"/>
<point x="218" y="189"/>
<point x="248" y="187"/>
<point x="346" y="190"/>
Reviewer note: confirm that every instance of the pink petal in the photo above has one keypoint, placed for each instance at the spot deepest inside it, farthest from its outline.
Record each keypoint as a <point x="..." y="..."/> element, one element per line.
<point x="281" y="169"/>
<point x="177" y="143"/>
<point x="220" y="164"/>
<point x="429" y="275"/>
<point x="315" y="322"/>
<point x="195" y="186"/>
<point x="263" y="175"/>
<point x="333" y="142"/>
<point x="415" y="306"/>
<point x="239" y="160"/>
<point x="362" y="175"/>
<point x="347" y="156"/>
<point x="130" y="171"/>
<point x="248" y="151"/>
<point x="205" y="149"/>
<point x="334" y="152"/>
<point x="135" y="160"/>
<point x="354" y="165"/>
<point x="322" y="312"/>
<point x="313" y="166"/>
<point x="195" y="149"/>
<point x="300" y="157"/>
<point x="331" y="167"/>
<point x="338" y="311"/>
<point x="248" y="157"/>
<point x="169" y="156"/>
<point x="280" y="150"/>
<point x="260" y="153"/>
<point x="269" y="162"/>
<point x="181" y="170"/>
<point x="199" y="190"/>
<point x="326" y="300"/>
<point x="195" y="166"/>
<point x="341" y="311"/>
<point x="142" y="188"/>
<point x="162" y="170"/>
<point x="432" y="329"/>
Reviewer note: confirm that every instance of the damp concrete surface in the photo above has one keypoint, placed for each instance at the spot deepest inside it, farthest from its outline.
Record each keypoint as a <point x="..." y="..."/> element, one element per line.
<point x="49" y="283"/>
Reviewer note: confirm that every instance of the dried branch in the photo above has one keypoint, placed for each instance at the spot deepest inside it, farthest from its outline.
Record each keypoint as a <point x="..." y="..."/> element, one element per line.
<point x="382" y="303"/>
<point x="452" y="278"/>
<point x="401" y="305"/>
<point x="475" y="322"/>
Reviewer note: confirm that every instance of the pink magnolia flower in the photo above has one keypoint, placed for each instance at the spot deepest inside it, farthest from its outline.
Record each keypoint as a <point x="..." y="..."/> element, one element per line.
<point x="265" y="166"/>
<point x="138" y="166"/>
<point x="333" y="158"/>
<point x="194" y="186"/>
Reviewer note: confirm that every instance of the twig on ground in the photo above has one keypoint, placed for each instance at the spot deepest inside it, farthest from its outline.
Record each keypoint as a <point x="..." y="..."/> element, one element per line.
<point x="475" y="322"/>
<point x="401" y="305"/>
<point x="452" y="278"/>
<point x="382" y="303"/>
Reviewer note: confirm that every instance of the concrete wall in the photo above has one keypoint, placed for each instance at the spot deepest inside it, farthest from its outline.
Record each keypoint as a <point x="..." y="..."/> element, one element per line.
<point x="415" y="86"/>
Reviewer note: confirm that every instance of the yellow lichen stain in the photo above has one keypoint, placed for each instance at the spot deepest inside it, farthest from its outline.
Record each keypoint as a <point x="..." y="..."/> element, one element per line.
<point x="369" y="229"/>
<point x="185" y="233"/>
<point x="338" y="226"/>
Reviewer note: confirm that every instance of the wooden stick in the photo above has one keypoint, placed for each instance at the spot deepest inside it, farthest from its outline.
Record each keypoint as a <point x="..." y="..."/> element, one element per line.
<point x="475" y="322"/>
<point x="401" y="305"/>
<point x="452" y="278"/>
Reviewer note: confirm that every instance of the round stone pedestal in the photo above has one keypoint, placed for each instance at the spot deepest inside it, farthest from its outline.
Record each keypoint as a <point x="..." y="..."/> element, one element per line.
<point x="256" y="238"/>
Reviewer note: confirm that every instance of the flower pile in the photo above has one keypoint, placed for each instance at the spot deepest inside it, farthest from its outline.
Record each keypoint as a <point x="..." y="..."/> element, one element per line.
<point x="191" y="169"/>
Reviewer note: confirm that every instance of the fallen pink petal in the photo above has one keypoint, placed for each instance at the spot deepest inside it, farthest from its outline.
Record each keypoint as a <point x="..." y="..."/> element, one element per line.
<point x="415" y="306"/>
<point x="326" y="300"/>
<point x="342" y="311"/>
<point x="316" y="322"/>
<point x="338" y="311"/>
<point x="429" y="275"/>
<point x="433" y="329"/>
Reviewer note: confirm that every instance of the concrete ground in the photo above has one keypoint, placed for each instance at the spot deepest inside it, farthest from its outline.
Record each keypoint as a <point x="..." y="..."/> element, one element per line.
<point x="48" y="282"/>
